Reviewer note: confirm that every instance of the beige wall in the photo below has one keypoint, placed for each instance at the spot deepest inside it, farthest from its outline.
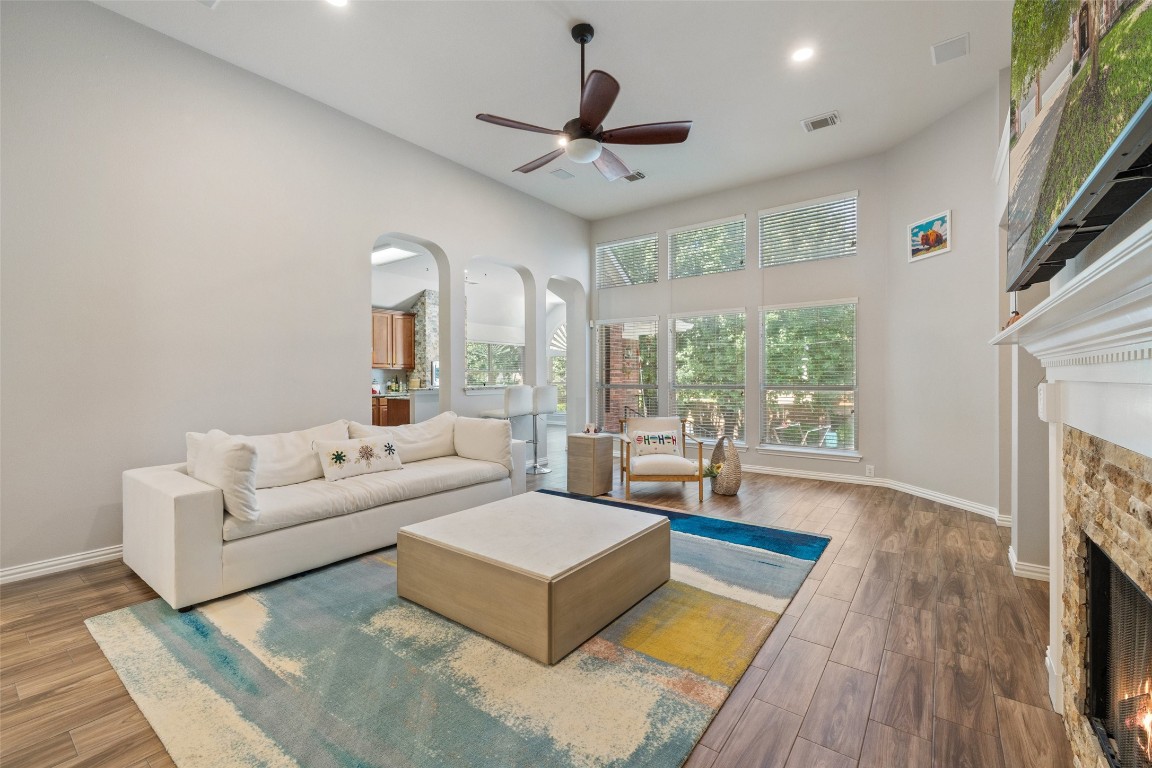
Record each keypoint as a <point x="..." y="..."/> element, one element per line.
<point x="185" y="246"/>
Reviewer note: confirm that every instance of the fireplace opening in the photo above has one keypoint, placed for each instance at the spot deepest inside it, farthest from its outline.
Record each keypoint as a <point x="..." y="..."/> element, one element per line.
<point x="1118" y="699"/>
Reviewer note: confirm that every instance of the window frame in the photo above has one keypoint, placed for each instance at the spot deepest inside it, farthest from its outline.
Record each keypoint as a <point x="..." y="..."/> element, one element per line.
<point x="653" y="236"/>
<point x="853" y="194"/>
<point x="489" y="370"/>
<point x="673" y="387"/>
<point x="670" y="233"/>
<point x="599" y="385"/>
<point x="837" y="454"/>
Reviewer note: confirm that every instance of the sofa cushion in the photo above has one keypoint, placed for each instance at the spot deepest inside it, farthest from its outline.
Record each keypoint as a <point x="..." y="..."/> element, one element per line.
<point x="484" y="439"/>
<point x="662" y="464"/>
<point x="347" y="458"/>
<point x="317" y="499"/>
<point x="425" y="440"/>
<point x="283" y="458"/>
<point x="229" y="463"/>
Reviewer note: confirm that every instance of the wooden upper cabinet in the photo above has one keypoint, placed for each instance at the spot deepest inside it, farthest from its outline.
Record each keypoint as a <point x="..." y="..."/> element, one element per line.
<point x="404" y="341"/>
<point x="393" y="339"/>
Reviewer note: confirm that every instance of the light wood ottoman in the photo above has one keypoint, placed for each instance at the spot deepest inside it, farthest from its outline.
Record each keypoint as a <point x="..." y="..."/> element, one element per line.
<point x="539" y="573"/>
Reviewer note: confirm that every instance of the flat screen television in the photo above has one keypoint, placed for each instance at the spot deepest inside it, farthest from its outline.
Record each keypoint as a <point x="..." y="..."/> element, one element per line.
<point x="1081" y="127"/>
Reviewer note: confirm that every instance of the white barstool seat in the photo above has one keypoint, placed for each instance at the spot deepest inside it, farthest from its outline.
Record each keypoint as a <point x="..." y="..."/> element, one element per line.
<point x="517" y="402"/>
<point x="544" y="402"/>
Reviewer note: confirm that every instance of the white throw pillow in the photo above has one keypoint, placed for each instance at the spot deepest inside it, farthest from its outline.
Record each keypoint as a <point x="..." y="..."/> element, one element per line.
<point x="416" y="442"/>
<point x="484" y="440"/>
<point x="287" y="458"/>
<point x="193" y="441"/>
<point x="229" y="463"/>
<point x="648" y="443"/>
<point x="348" y="458"/>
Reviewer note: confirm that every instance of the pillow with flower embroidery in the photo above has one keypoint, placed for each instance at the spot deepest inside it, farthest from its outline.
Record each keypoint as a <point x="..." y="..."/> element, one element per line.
<point x="648" y="443"/>
<point x="348" y="458"/>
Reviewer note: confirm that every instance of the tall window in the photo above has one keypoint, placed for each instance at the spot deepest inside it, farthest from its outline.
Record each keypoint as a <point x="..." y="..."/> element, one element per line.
<point x="809" y="384"/>
<point x="707" y="249"/>
<point x="708" y="373"/>
<point x="626" y="371"/>
<point x="626" y="262"/>
<point x="817" y="229"/>
<point x="489" y="365"/>
<point x="558" y="366"/>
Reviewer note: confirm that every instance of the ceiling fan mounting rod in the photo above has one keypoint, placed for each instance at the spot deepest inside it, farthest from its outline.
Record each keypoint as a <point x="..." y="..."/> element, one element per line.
<point x="582" y="33"/>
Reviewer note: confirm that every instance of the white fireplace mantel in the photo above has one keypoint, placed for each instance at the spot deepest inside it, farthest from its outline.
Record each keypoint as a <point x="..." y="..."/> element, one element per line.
<point x="1094" y="338"/>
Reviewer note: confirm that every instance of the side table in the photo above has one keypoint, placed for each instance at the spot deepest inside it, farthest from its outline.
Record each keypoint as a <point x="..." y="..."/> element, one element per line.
<point x="590" y="463"/>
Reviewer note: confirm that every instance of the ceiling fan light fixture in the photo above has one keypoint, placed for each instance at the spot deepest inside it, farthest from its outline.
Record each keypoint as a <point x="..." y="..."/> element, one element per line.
<point x="583" y="150"/>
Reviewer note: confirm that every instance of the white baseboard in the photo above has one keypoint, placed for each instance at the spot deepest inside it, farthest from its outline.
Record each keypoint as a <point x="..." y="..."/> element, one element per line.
<point x="882" y="482"/>
<point x="58" y="564"/>
<point x="1027" y="570"/>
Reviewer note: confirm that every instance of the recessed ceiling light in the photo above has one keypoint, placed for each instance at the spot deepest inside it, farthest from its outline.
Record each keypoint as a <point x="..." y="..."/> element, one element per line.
<point x="389" y="253"/>
<point x="802" y="54"/>
<point x="338" y="3"/>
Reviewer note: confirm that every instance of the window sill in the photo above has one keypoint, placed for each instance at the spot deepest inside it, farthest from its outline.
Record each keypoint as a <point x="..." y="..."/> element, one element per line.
<point x="809" y="453"/>
<point x="485" y="390"/>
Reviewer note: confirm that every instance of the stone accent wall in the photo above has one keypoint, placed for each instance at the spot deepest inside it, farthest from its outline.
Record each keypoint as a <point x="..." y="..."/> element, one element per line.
<point x="427" y="309"/>
<point x="1108" y="499"/>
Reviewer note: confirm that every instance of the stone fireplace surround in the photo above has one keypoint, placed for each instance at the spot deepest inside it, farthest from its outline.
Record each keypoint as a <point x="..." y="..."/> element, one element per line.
<point x="1094" y="338"/>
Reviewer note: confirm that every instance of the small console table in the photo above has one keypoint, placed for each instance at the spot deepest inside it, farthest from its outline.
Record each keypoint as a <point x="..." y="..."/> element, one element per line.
<point x="590" y="463"/>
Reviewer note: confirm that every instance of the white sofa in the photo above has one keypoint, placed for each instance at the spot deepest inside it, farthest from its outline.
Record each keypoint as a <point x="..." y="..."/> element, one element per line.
<point x="184" y="540"/>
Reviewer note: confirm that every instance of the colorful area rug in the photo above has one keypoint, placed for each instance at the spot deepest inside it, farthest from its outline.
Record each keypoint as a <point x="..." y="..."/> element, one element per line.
<point x="330" y="668"/>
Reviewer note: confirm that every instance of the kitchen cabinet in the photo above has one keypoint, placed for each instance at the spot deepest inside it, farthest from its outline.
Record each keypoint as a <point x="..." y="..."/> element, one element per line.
<point x="391" y="411"/>
<point x="393" y="339"/>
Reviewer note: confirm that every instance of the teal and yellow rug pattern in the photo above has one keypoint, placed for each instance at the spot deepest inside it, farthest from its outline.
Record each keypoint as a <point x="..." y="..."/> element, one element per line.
<point x="330" y="668"/>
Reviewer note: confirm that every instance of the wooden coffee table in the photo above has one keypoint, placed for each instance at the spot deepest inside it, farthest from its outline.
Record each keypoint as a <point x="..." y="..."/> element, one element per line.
<point x="536" y="572"/>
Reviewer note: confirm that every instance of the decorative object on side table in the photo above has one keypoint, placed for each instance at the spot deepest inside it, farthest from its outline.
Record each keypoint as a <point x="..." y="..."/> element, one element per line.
<point x="724" y="468"/>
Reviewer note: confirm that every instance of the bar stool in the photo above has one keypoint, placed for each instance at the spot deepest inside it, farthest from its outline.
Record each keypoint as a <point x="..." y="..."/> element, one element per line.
<point x="517" y="402"/>
<point x="544" y="402"/>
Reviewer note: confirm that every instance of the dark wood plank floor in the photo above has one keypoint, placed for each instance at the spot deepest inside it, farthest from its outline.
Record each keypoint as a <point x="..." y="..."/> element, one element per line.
<point x="911" y="644"/>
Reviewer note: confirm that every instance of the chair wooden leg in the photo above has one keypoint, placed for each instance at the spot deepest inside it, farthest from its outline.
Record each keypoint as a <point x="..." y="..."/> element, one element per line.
<point x="701" y="483"/>
<point x="628" y="486"/>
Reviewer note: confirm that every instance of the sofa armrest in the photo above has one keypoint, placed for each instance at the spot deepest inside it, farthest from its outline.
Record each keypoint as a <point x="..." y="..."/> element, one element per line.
<point x="173" y="533"/>
<point x="519" y="467"/>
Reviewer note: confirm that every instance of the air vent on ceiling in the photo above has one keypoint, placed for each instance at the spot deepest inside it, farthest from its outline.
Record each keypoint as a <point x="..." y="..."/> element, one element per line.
<point x="821" y="121"/>
<point x="211" y="4"/>
<point x="634" y="176"/>
<point x="560" y="173"/>
<point x="953" y="48"/>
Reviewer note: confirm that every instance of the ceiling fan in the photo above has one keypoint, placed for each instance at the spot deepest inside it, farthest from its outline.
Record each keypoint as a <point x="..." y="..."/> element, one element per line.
<point x="583" y="137"/>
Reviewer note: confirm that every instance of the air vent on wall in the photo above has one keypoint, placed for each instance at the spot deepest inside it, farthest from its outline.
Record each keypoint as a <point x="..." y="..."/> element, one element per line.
<point x="953" y="48"/>
<point x="821" y="121"/>
<point x="634" y="176"/>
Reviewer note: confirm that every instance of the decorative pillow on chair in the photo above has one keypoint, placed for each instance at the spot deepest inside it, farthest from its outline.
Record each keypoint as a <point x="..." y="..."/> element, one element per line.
<point x="348" y="458"/>
<point x="647" y="443"/>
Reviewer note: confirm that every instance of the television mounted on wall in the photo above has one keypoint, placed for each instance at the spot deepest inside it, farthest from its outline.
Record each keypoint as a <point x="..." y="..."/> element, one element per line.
<point x="1081" y="127"/>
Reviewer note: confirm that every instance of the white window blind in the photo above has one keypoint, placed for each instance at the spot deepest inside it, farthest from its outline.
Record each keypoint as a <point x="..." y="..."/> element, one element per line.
<point x="708" y="249"/>
<point x="708" y="376"/>
<point x="489" y="365"/>
<point x="626" y="262"/>
<point x="824" y="229"/>
<point x="809" y="382"/>
<point x="627" y="371"/>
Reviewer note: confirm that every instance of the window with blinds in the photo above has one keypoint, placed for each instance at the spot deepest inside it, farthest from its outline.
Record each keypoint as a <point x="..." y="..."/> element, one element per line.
<point x="626" y="262"/>
<point x="708" y="373"/>
<point x="809" y="377"/>
<point x="707" y="249"/>
<point x="627" y="371"/>
<point x="493" y="365"/>
<point x="819" y="229"/>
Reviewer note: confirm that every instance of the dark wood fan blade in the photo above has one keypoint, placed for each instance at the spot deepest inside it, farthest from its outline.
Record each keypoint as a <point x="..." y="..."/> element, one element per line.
<point x="599" y="94"/>
<point x="516" y="124"/>
<point x="649" y="133"/>
<point x="610" y="166"/>
<point x="540" y="162"/>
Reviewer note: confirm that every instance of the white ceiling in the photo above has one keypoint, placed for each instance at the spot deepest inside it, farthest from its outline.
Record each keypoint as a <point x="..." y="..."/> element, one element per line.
<point x="423" y="70"/>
